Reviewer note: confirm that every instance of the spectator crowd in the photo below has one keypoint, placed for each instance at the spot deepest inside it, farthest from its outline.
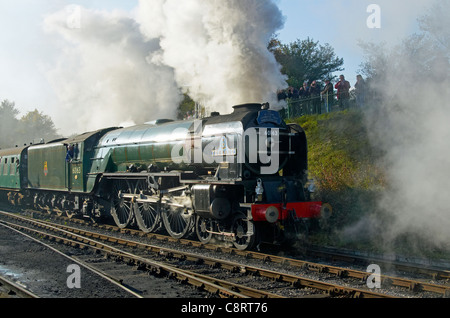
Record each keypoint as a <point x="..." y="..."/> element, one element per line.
<point x="314" y="98"/>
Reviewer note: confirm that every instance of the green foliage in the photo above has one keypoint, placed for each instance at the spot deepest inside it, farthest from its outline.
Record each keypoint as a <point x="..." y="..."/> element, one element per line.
<point x="306" y="60"/>
<point x="31" y="128"/>
<point x="340" y="154"/>
<point x="36" y="124"/>
<point x="186" y="106"/>
<point x="8" y="123"/>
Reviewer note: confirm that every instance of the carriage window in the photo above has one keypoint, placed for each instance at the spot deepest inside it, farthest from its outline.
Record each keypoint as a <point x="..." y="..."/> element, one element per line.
<point x="6" y="168"/>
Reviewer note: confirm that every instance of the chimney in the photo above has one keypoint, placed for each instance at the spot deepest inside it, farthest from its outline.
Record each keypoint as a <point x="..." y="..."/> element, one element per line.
<point x="247" y="108"/>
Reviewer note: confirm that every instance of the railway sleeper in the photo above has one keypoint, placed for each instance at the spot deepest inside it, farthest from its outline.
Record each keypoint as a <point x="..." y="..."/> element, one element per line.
<point x="415" y="287"/>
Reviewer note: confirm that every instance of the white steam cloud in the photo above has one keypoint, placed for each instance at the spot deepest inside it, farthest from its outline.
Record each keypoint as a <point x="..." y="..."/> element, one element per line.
<point x="410" y="124"/>
<point x="103" y="78"/>
<point x="218" y="49"/>
<point x="115" y="67"/>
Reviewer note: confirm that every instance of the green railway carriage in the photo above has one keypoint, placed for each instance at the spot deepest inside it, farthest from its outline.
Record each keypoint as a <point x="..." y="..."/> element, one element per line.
<point x="13" y="172"/>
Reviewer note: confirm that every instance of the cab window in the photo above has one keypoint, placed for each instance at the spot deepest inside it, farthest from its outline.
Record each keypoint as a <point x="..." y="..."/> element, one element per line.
<point x="77" y="154"/>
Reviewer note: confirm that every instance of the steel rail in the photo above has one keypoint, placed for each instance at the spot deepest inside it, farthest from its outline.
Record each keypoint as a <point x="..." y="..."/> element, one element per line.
<point x="13" y="227"/>
<point x="311" y="266"/>
<point x="388" y="280"/>
<point x="432" y="271"/>
<point x="15" y="289"/>
<point x="296" y="281"/>
<point x="215" y="286"/>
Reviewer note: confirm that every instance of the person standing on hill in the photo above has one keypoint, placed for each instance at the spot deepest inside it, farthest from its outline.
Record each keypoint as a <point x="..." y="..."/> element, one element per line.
<point x="343" y="92"/>
<point x="327" y="95"/>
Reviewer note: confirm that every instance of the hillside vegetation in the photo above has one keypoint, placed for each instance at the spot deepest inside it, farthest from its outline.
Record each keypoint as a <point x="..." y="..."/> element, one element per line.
<point x="345" y="167"/>
<point x="349" y="174"/>
<point x="341" y="156"/>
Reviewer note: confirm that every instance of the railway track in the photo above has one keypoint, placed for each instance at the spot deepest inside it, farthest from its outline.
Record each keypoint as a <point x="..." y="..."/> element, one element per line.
<point x="278" y="281"/>
<point x="431" y="272"/>
<point x="211" y="285"/>
<point x="22" y="292"/>
<point x="414" y="285"/>
<point x="10" y="289"/>
<point x="222" y="288"/>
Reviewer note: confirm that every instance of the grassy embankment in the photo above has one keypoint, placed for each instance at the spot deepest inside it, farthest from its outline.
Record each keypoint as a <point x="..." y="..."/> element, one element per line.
<point x="349" y="174"/>
<point x="344" y="166"/>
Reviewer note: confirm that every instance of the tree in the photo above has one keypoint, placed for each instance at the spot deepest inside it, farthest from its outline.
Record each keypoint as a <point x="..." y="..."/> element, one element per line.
<point x="8" y="123"/>
<point x="35" y="127"/>
<point x="305" y="60"/>
<point x="187" y="105"/>
<point x="436" y="25"/>
<point x="31" y="128"/>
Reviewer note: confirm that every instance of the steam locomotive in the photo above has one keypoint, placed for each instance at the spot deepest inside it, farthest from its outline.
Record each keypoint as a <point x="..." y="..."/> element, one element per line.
<point x="240" y="177"/>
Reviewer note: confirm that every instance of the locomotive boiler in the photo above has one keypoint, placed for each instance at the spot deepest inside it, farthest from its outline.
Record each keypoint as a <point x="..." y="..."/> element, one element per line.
<point x="240" y="177"/>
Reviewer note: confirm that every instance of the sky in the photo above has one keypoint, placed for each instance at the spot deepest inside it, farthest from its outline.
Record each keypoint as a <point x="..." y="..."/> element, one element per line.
<point x="343" y="23"/>
<point x="27" y="51"/>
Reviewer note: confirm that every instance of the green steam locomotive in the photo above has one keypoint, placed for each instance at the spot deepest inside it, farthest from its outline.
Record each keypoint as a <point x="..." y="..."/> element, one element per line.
<point x="240" y="178"/>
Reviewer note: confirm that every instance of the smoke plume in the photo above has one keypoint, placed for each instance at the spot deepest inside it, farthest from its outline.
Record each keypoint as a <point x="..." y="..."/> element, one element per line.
<point x="134" y="67"/>
<point x="103" y="78"/>
<point x="218" y="49"/>
<point x="410" y="125"/>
